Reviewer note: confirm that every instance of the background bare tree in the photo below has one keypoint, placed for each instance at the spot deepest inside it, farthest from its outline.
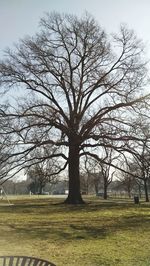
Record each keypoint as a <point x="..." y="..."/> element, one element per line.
<point x="82" y="88"/>
<point x="100" y="171"/>
<point x="141" y="159"/>
<point x="42" y="172"/>
<point x="92" y="177"/>
<point x="127" y="182"/>
<point x="106" y="170"/>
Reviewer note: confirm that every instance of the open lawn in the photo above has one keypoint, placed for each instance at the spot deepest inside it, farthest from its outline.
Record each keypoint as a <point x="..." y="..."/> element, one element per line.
<point x="113" y="232"/>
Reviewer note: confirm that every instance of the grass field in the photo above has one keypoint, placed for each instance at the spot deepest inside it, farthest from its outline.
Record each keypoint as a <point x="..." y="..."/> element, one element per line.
<point x="113" y="232"/>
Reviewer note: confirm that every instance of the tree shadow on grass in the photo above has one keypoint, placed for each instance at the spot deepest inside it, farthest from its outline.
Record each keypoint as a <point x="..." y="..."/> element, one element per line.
<point x="84" y="229"/>
<point x="52" y="220"/>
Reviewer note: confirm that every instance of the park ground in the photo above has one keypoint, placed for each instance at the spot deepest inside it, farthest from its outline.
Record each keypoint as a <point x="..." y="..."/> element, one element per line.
<point x="113" y="232"/>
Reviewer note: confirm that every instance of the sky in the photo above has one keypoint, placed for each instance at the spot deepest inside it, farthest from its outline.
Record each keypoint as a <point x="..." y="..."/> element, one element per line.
<point x="19" y="18"/>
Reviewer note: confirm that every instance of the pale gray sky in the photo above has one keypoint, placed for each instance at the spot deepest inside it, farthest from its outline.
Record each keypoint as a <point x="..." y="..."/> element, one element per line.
<point x="20" y="17"/>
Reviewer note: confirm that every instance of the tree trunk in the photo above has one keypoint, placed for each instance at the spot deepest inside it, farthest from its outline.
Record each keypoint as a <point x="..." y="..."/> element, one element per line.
<point x="129" y="192"/>
<point x="105" y="189"/>
<point x="146" y="191"/>
<point x="40" y="189"/>
<point x="139" y="188"/>
<point x="74" y="196"/>
<point x="96" y="188"/>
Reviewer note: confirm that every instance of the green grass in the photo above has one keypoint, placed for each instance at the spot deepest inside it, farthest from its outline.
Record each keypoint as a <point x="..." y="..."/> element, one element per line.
<point x="113" y="232"/>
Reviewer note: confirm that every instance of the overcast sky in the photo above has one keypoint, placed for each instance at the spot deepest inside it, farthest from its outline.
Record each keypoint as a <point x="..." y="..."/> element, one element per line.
<point x="20" y="17"/>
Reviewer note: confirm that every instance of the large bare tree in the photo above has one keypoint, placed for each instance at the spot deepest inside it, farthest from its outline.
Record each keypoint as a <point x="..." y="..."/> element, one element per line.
<point x="82" y="88"/>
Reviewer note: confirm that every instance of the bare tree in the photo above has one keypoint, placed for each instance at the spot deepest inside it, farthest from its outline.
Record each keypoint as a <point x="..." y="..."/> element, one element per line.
<point x="141" y="162"/>
<point x="127" y="182"/>
<point x="40" y="173"/>
<point x="5" y="146"/>
<point x="101" y="169"/>
<point x="137" y="164"/>
<point x="85" y="86"/>
<point x="92" y="175"/>
<point x="38" y="179"/>
<point x="106" y="170"/>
